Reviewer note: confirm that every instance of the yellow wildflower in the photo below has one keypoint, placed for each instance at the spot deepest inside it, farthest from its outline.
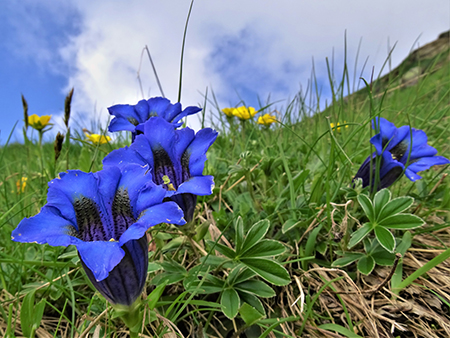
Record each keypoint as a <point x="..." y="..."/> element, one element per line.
<point x="21" y="184"/>
<point x="228" y="111"/>
<point x="266" y="119"/>
<point x="332" y="125"/>
<point x="39" y="122"/>
<point x="97" y="139"/>
<point x="244" y="113"/>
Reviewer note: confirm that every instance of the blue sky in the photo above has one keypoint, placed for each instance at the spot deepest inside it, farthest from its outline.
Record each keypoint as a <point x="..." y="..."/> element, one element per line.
<point x="238" y="48"/>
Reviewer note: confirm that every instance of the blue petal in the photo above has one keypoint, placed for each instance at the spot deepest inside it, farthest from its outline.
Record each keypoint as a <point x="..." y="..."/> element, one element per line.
<point x="125" y="282"/>
<point x="46" y="227"/>
<point x="412" y="175"/>
<point x="191" y="110"/>
<point x="402" y="134"/>
<point x="142" y="111"/>
<point x="197" y="150"/>
<point x="122" y="157"/>
<point x="77" y="186"/>
<point x="141" y="146"/>
<point x="63" y="191"/>
<point x="187" y="111"/>
<point x="427" y="162"/>
<point x="107" y="181"/>
<point x="388" y="164"/>
<point x="123" y="114"/>
<point x="159" y="133"/>
<point x="172" y="113"/>
<point x="197" y="185"/>
<point x="419" y="138"/>
<point x="74" y="183"/>
<point x="124" y="111"/>
<point x="422" y="151"/>
<point x="167" y="212"/>
<point x="119" y="124"/>
<point x="184" y="137"/>
<point x="100" y="257"/>
<point x="152" y="194"/>
<point x="134" y="180"/>
<point x="387" y="136"/>
<point x="387" y="128"/>
<point x="162" y="136"/>
<point x="157" y="106"/>
<point x="377" y="142"/>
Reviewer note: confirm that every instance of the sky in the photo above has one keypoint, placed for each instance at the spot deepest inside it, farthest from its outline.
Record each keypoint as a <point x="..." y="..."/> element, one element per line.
<point x="238" y="49"/>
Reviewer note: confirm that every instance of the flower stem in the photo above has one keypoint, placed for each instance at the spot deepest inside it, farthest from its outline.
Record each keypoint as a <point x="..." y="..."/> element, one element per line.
<point x="132" y="317"/>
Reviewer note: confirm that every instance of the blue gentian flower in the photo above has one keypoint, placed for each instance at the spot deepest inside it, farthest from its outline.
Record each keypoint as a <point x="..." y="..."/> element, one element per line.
<point x="400" y="150"/>
<point x="105" y="215"/>
<point x="177" y="158"/>
<point x="128" y="117"/>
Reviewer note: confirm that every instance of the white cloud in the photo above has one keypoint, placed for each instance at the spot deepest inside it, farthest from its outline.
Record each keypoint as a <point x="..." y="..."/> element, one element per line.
<point x="254" y="46"/>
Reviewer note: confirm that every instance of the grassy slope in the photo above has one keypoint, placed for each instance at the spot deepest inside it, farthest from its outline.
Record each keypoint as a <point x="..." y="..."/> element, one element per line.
<point x="287" y="175"/>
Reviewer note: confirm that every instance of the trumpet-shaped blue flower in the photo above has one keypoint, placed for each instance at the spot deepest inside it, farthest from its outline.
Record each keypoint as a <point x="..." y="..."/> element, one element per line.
<point x="128" y="117"/>
<point x="105" y="215"/>
<point x="400" y="150"/>
<point x="177" y="158"/>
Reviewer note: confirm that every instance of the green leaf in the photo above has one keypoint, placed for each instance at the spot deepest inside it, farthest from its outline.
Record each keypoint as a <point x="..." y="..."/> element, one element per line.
<point x="239" y="234"/>
<point x="359" y="234"/>
<point x="167" y="277"/>
<point x="265" y="248"/>
<point x="322" y="247"/>
<point x="204" y="287"/>
<point x="253" y="301"/>
<point x="385" y="238"/>
<point x="349" y="258"/>
<point x="271" y="271"/>
<point x="223" y="249"/>
<point x="290" y="224"/>
<point x="172" y="266"/>
<point x="237" y="270"/>
<point x="249" y="314"/>
<point x="397" y="277"/>
<point x="383" y="257"/>
<point x="26" y="314"/>
<point x="39" y="312"/>
<point x="405" y="243"/>
<point x="201" y="231"/>
<point x="396" y="206"/>
<point x="230" y="302"/>
<point x="312" y="241"/>
<point x="215" y="261"/>
<point x="31" y="315"/>
<point x="153" y="267"/>
<point x="339" y="329"/>
<point x="255" y="234"/>
<point x="242" y="274"/>
<point x="368" y="245"/>
<point x="366" y="265"/>
<point x="380" y="200"/>
<point x="367" y="206"/>
<point x="256" y="287"/>
<point x="155" y="295"/>
<point x="402" y="221"/>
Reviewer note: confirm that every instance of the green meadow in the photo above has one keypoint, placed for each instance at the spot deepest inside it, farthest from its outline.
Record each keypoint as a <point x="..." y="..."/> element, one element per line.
<point x="273" y="252"/>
